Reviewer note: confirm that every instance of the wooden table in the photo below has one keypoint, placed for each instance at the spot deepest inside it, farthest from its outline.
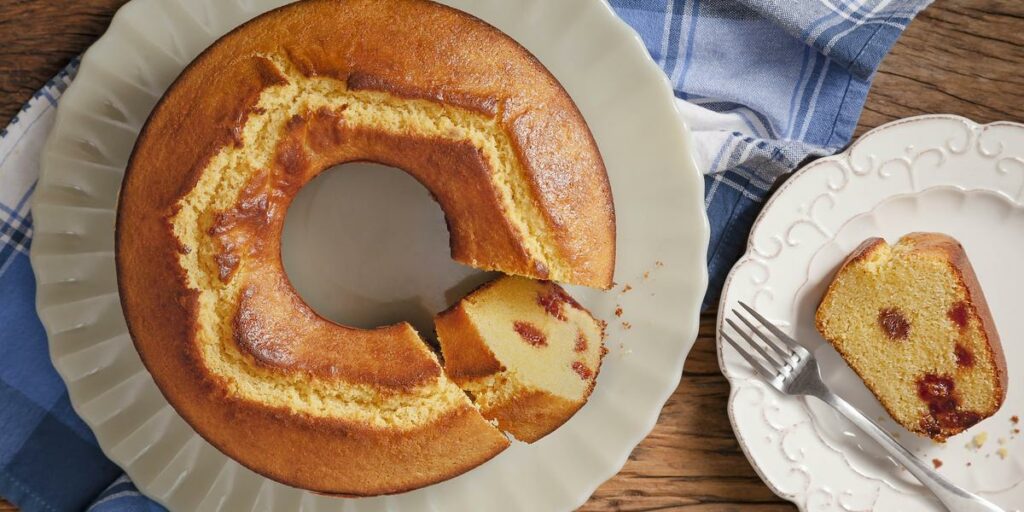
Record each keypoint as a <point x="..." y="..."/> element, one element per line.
<point x="959" y="56"/>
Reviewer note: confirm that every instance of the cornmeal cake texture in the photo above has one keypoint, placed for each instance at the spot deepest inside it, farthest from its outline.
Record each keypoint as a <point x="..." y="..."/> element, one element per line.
<point x="912" y="321"/>
<point x="525" y="351"/>
<point x="412" y="84"/>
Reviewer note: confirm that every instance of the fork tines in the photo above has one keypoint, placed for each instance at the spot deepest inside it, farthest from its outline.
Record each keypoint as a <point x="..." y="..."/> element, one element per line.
<point x="783" y="350"/>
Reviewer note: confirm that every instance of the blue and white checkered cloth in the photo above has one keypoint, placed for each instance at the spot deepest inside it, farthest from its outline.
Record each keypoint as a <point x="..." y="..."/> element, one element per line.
<point x="765" y="85"/>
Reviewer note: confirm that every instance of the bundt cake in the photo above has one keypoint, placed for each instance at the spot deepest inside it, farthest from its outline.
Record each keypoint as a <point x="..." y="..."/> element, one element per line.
<point x="524" y="351"/>
<point x="912" y="321"/>
<point x="408" y="83"/>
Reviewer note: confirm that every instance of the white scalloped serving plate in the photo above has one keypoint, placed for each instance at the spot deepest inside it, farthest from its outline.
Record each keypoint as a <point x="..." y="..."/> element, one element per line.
<point x="658" y="193"/>
<point x="931" y="173"/>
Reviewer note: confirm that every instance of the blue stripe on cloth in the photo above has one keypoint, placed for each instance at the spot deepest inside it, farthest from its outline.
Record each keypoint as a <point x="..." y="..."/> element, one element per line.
<point x="34" y="375"/>
<point x="679" y="76"/>
<point x="18" y="419"/>
<point x="769" y="86"/>
<point x="778" y="85"/>
<point x="49" y="459"/>
<point x="805" y="61"/>
<point x="122" y="496"/>
<point x="39" y="431"/>
<point x="672" y="39"/>
<point x="734" y="205"/>
<point x="35" y="462"/>
<point x="4" y="209"/>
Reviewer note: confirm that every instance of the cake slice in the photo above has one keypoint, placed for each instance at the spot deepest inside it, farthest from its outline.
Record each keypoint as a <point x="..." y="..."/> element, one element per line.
<point x="912" y="321"/>
<point x="524" y="351"/>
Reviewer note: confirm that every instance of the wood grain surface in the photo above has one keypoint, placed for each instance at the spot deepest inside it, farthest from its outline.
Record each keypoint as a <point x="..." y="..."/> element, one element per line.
<point x="958" y="56"/>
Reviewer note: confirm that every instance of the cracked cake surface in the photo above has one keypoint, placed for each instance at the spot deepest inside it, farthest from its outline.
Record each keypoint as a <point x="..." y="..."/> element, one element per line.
<point x="408" y="83"/>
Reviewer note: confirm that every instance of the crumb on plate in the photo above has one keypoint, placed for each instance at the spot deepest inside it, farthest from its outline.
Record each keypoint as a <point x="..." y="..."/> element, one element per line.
<point x="979" y="440"/>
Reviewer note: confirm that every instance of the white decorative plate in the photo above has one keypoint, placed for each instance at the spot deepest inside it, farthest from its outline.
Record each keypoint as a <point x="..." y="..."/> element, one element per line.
<point x="333" y="246"/>
<point x="931" y="173"/>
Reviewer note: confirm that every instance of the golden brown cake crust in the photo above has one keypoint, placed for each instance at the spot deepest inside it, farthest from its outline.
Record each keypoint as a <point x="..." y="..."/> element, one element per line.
<point x="466" y="356"/>
<point x="444" y="56"/>
<point x="950" y="250"/>
<point x="863" y="251"/>
<point x="528" y="416"/>
<point x="534" y="414"/>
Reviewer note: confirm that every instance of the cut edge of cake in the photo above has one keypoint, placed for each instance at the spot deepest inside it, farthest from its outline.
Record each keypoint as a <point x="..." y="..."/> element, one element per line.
<point x="970" y="312"/>
<point x="503" y="393"/>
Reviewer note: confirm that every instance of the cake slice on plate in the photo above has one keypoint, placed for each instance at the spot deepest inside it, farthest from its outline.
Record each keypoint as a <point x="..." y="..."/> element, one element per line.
<point x="912" y="321"/>
<point x="524" y="351"/>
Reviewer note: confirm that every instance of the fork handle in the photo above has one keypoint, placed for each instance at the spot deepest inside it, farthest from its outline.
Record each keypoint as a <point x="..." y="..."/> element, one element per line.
<point x="953" y="497"/>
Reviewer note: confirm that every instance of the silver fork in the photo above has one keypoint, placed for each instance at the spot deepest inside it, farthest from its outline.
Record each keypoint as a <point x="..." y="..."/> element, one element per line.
<point x="792" y="369"/>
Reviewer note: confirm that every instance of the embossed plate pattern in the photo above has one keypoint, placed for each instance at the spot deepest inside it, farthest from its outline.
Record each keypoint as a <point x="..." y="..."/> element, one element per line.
<point x="930" y="173"/>
<point x="627" y="102"/>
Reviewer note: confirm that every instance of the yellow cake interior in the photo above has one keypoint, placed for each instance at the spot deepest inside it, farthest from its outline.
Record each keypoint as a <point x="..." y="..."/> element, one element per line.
<point x="561" y="366"/>
<point x="897" y="315"/>
<point x="220" y="185"/>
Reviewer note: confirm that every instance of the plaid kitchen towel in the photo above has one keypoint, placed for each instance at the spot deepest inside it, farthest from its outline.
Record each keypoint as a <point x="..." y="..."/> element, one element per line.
<point x="49" y="460"/>
<point x="764" y="84"/>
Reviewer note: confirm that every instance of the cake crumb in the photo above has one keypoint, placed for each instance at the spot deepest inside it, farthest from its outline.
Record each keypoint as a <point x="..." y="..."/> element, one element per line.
<point x="1001" y="441"/>
<point x="1015" y="419"/>
<point x="1002" y="453"/>
<point x="627" y="326"/>
<point x="658" y="264"/>
<point x="618" y="311"/>
<point x="647" y="275"/>
<point x="626" y="288"/>
<point x="1016" y="431"/>
<point x="937" y="463"/>
<point x="979" y="440"/>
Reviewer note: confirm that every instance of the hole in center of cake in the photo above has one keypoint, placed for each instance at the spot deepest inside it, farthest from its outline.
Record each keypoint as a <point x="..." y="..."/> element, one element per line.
<point x="365" y="245"/>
